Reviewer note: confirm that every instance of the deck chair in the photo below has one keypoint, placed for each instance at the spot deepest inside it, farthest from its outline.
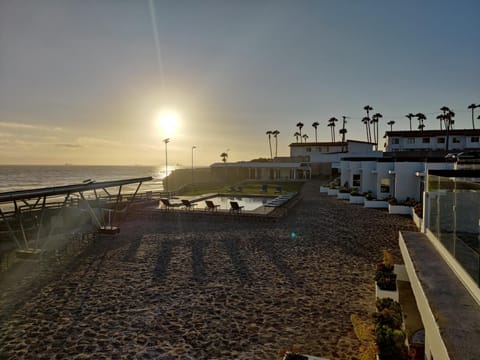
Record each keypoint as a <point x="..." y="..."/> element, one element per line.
<point x="278" y="190"/>
<point x="188" y="204"/>
<point x="168" y="205"/>
<point x="264" y="188"/>
<point x="211" y="206"/>
<point x="235" y="207"/>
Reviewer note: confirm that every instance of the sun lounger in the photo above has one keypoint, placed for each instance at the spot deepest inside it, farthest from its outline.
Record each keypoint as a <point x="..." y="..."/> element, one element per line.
<point x="235" y="207"/>
<point x="264" y="188"/>
<point x="188" y="204"/>
<point x="168" y="205"/>
<point x="211" y="206"/>
<point x="278" y="190"/>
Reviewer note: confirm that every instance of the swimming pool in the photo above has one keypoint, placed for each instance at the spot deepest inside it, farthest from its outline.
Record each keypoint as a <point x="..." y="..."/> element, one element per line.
<point x="249" y="203"/>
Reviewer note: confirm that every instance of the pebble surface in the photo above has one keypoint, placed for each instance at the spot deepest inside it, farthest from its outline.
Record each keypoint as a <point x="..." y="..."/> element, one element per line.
<point x="186" y="288"/>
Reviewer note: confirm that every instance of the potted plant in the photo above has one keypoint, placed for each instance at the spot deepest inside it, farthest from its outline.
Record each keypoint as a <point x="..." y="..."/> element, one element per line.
<point x="385" y="278"/>
<point x="389" y="336"/>
<point x="356" y="197"/>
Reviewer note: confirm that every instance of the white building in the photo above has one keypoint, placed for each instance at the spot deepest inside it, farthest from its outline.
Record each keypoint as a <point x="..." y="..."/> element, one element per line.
<point x="432" y="140"/>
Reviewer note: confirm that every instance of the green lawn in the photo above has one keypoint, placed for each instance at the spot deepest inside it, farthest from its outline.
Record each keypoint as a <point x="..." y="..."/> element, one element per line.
<point x="254" y="188"/>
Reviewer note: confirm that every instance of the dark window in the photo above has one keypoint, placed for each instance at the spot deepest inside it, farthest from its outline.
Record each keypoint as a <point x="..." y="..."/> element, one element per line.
<point x="456" y="140"/>
<point x="441" y="140"/>
<point x="309" y="149"/>
<point x="426" y="140"/>
<point x="395" y="141"/>
<point x="319" y="149"/>
<point x="410" y="140"/>
<point x="356" y="180"/>
<point x="474" y="139"/>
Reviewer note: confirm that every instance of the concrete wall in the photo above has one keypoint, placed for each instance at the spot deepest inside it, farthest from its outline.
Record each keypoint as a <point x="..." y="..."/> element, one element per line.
<point x="407" y="184"/>
<point x="382" y="172"/>
<point x="369" y="179"/>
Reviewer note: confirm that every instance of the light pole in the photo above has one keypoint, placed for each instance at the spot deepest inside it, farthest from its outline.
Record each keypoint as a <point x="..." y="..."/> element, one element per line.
<point x="193" y="148"/>
<point x="166" y="141"/>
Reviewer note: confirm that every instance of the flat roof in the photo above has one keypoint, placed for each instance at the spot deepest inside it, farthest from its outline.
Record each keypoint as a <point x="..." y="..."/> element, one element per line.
<point x="329" y="143"/>
<point x="66" y="189"/>
<point x="456" y="312"/>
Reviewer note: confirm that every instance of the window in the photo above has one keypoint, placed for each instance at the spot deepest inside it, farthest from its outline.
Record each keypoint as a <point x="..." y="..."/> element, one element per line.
<point x="356" y="180"/>
<point x="456" y="140"/>
<point x="385" y="185"/>
<point x="441" y="140"/>
<point x="426" y="140"/>
<point x="474" y="139"/>
<point x="309" y="149"/>
<point x="395" y="141"/>
<point x="410" y="140"/>
<point x="319" y="149"/>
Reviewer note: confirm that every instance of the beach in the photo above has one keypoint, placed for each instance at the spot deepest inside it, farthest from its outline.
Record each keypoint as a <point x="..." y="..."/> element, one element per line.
<point x="181" y="287"/>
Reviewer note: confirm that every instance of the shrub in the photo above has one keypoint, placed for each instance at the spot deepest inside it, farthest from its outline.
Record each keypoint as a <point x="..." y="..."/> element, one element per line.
<point x="384" y="276"/>
<point x="389" y="336"/>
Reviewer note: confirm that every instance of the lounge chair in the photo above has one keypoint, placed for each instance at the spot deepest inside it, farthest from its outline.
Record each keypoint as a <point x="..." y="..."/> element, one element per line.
<point x="234" y="207"/>
<point x="238" y="189"/>
<point x="278" y="190"/>
<point x="211" y="206"/>
<point x="188" y="204"/>
<point x="168" y="205"/>
<point x="264" y="188"/>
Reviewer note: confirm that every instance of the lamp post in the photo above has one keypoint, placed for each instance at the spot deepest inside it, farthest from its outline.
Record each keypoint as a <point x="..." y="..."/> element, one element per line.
<point x="193" y="148"/>
<point x="166" y="141"/>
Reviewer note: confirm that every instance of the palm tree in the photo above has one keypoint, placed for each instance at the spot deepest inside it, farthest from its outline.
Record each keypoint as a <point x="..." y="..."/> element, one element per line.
<point x="410" y="116"/>
<point x="332" y="121"/>
<point x="315" y="125"/>
<point x="441" y="118"/>
<point x="368" y="108"/>
<point x="448" y="125"/>
<point x="269" y="133"/>
<point x="224" y="157"/>
<point x="473" y="106"/>
<point x="300" y="126"/>
<point x="275" y="134"/>
<point x="343" y="130"/>
<point x="297" y="134"/>
<point x="391" y="122"/>
<point x="331" y="125"/>
<point x="305" y="137"/>
<point x="366" y="121"/>
<point x="421" y="127"/>
<point x="375" y="120"/>
<point x="421" y="117"/>
<point x="445" y="110"/>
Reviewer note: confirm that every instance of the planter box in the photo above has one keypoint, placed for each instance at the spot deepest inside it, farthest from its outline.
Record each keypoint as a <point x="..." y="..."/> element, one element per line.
<point x="417" y="220"/>
<point x="332" y="192"/>
<point x="401" y="272"/>
<point x="379" y="293"/>
<point x="399" y="209"/>
<point x="324" y="189"/>
<point x="357" y="199"/>
<point x="343" y="196"/>
<point x="375" y="204"/>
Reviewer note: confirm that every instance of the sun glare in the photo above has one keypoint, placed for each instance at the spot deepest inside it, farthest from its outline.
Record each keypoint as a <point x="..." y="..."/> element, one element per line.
<point x="168" y="122"/>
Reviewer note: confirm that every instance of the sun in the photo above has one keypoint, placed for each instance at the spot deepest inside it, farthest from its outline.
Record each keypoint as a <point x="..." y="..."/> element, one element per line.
<point x="168" y="122"/>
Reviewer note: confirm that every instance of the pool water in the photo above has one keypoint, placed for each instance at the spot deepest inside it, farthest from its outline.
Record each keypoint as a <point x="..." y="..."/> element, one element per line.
<point x="249" y="203"/>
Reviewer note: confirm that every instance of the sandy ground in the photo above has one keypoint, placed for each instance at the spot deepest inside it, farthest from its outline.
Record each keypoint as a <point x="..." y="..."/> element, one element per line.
<point x="187" y="288"/>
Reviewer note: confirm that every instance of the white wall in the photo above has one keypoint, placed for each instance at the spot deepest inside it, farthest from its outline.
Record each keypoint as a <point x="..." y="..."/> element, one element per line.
<point x="407" y="184"/>
<point x="369" y="179"/>
<point x="382" y="172"/>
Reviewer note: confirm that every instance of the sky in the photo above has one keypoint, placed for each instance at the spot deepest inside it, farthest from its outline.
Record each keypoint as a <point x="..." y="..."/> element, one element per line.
<point x="83" y="82"/>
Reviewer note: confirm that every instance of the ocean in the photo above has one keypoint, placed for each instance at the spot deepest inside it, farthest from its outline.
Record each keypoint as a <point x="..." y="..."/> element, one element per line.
<point x="21" y="177"/>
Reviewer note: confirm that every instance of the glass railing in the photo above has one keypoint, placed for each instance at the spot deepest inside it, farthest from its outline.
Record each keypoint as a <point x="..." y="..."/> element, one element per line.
<point x="454" y="219"/>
